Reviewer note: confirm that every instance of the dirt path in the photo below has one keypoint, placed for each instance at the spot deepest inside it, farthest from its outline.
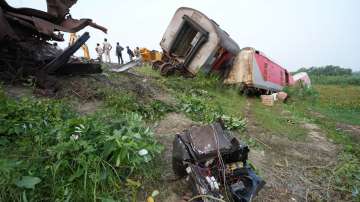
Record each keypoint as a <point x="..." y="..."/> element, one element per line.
<point x="289" y="166"/>
<point x="173" y="190"/>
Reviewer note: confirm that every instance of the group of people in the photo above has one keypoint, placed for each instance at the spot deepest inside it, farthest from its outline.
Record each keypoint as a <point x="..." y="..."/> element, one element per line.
<point x="106" y="48"/>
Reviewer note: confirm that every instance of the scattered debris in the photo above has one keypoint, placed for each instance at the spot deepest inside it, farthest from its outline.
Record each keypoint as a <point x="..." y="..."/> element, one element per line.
<point x="193" y="41"/>
<point x="126" y="66"/>
<point x="153" y="195"/>
<point x="267" y="100"/>
<point x="215" y="163"/>
<point x="282" y="96"/>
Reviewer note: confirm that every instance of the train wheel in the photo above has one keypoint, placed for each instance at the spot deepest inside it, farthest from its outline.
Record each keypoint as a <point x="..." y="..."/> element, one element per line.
<point x="167" y="69"/>
<point x="247" y="92"/>
<point x="157" y="64"/>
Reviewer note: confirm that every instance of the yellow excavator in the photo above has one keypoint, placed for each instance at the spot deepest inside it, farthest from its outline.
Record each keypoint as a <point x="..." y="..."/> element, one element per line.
<point x="85" y="48"/>
<point x="150" y="56"/>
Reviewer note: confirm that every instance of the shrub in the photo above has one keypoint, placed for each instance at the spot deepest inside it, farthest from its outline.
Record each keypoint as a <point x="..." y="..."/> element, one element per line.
<point x="125" y="102"/>
<point x="48" y="153"/>
<point x="301" y="93"/>
<point x="197" y="105"/>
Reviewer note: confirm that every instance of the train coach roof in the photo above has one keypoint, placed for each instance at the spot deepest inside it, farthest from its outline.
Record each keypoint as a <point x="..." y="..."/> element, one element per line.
<point x="265" y="56"/>
<point x="225" y="40"/>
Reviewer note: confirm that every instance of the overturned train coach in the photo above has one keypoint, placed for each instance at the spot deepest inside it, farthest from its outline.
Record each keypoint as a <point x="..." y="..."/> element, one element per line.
<point x="193" y="41"/>
<point x="255" y="72"/>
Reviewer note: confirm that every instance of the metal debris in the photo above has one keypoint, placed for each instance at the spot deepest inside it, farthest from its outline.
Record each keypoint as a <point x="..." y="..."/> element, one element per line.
<point x="216" y="164"/>
<point x="126" y="66"/>
<point x="24" y="50"/>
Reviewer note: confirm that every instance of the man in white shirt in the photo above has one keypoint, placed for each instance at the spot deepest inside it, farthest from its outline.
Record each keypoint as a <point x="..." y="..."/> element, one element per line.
<point x="107" y="48"/>
<point x="99" y="51"/>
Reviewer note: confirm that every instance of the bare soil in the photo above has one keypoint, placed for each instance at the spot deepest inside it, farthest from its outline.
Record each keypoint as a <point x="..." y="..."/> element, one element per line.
<point x="174" y="190"/>
<point x="288" y="166"/>
<point x="353" y="130"/>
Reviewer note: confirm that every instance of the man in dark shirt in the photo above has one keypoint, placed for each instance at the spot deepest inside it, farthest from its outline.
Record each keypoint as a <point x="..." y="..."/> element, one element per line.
<point x="119" y="50"/>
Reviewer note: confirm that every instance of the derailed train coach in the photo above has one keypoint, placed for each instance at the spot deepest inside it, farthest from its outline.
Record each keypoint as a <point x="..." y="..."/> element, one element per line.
<point x="192" y="41"/>
<point x="256" y="73"/>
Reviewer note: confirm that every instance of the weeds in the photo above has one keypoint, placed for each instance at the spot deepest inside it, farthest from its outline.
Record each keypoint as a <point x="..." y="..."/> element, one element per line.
<point x="48" y="153"/>
<point x="198" y="106"/>
<point x="298" y="92"/>
<point x="204" y="99"/>
<point x="124" y="102"/>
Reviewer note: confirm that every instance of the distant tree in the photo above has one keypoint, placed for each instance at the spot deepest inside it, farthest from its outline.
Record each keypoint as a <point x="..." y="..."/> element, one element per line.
<point x="329" y="70"/>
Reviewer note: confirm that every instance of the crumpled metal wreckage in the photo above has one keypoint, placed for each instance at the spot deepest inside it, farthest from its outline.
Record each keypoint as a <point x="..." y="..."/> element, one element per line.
<point x="24" y="36"/>
<point x="215" y="164"/>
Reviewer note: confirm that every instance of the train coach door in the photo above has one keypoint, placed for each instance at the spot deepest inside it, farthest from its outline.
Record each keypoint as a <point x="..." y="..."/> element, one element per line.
<point x="189" y="39"/>
<point x="287" y="78"/>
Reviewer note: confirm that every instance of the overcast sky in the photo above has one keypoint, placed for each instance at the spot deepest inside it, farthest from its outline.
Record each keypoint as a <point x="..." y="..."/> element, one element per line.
<point x="294" y="33"/>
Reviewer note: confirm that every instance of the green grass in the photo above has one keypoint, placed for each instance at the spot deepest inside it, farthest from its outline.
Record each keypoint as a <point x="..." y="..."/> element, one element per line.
<point x="148" y="71"/>
<point x="50" y="153"/>
<point x="340" y="103"/>
<point x="203" y="98"/>
<point x="277" y="121"/>
<point x="333" y="105"/>
<point x="228" y="98"/>
<point x="336" y="80"/>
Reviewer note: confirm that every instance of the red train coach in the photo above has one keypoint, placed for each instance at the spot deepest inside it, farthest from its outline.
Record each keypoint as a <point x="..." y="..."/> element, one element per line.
<point x="256" y="73"/>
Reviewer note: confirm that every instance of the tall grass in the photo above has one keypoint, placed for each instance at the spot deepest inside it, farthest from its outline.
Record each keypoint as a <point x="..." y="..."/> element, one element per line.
<point x="336" y="80"/>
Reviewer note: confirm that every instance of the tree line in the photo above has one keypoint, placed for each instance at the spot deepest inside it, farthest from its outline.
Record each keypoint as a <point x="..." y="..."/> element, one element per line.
<point x="332" y="75"/>
<point x="328" y="70"/>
